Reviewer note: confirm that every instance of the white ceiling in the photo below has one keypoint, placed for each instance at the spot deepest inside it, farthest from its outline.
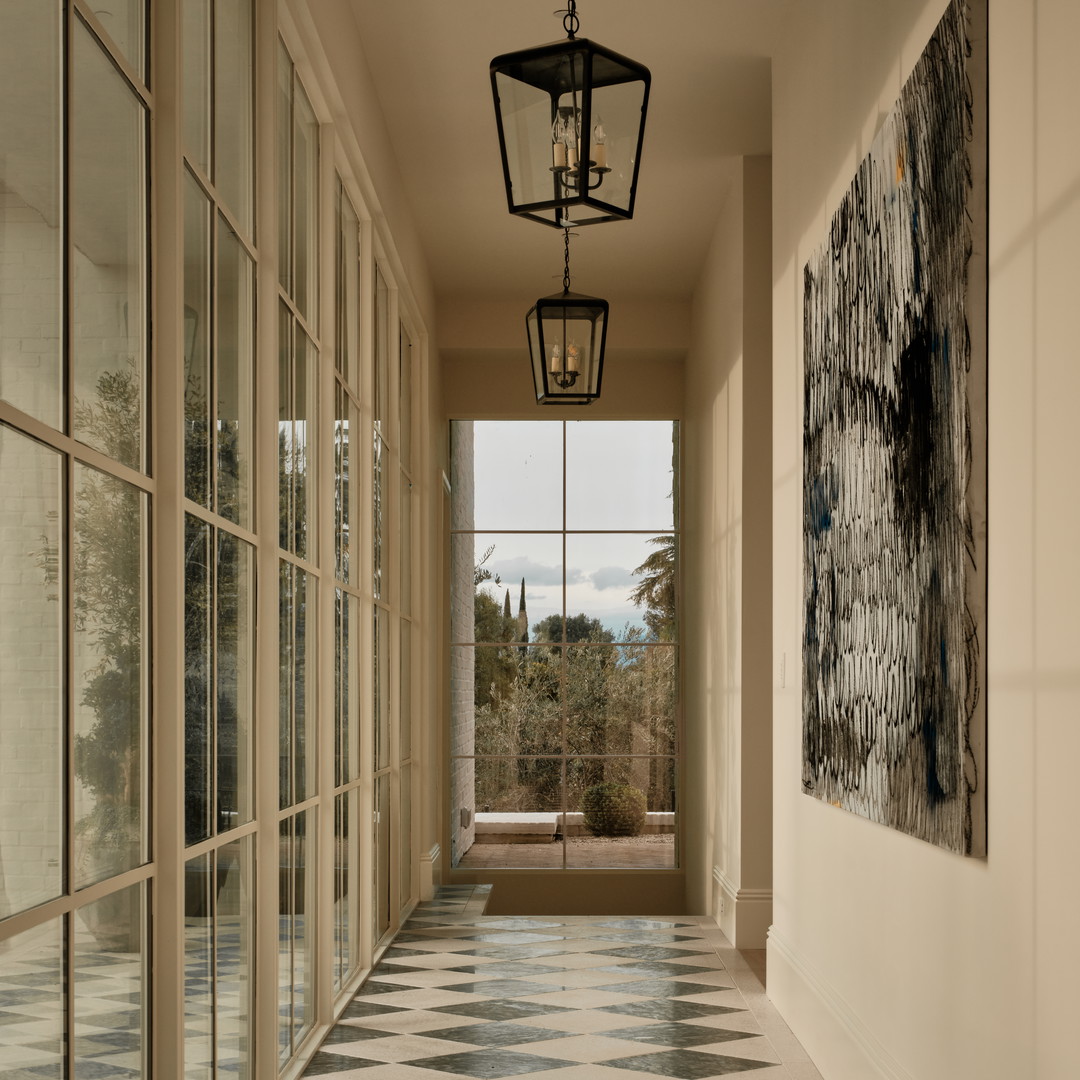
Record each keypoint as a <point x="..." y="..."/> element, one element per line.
<point x="709" y="104"/>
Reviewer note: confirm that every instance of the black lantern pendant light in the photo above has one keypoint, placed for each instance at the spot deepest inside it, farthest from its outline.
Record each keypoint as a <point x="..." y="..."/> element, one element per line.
<point x="571" y="118"/>
<point x="567" y="333"/>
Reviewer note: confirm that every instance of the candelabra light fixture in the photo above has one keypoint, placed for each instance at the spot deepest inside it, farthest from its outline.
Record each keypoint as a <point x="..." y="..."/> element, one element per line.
<point x="571" y="119"/>
<point x="567" y="334"/>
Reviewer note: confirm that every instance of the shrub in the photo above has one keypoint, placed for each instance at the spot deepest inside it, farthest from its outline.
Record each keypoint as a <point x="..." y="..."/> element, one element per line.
<point x="611" y="809"/>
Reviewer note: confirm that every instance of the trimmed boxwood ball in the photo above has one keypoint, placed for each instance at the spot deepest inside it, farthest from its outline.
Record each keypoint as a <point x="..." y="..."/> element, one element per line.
<point x="611" y="809"/>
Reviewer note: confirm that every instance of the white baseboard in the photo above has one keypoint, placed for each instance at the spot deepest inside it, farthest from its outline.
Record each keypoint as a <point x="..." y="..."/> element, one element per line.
<point x="429" y="863"/>
<point x="743" y="914"/>
<point x="831" y="1031"/>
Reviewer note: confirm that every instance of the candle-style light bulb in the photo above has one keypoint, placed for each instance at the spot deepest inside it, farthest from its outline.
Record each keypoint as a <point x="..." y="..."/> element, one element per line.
<point x="570" y="137"/>
<point x="558" y="142"/>
<point x="573" y="357"/>
<point x="555" y="364"/>
<point x="599" y="146"/>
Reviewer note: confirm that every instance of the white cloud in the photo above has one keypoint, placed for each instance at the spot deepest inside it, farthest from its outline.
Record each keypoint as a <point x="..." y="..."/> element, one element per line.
<point x="521" y="566"/>
<point x="612" y="577"/>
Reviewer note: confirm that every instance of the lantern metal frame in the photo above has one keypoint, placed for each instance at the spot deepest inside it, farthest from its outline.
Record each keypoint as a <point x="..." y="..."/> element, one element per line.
<point x="558" y="385"/>
<point x="574" y="66"/>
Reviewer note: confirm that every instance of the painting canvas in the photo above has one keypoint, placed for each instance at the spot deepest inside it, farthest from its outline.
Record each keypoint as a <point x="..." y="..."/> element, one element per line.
<point x="894" y="463"/>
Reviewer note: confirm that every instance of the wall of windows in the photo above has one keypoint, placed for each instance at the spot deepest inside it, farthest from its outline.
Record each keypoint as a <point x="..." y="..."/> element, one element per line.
<point x="564" y="663"/>
<point x="206" y="545"/>
<point x="75" y="527"/>
<point x="220" y="538"/>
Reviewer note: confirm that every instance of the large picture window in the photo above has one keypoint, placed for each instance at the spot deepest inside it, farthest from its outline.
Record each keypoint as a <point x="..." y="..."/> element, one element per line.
<point x="564" y="664"/>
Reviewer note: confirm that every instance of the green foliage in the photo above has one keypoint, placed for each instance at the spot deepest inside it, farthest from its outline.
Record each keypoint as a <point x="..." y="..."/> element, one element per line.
<point x="578" y="628"/>
<point x="656" y="590"/>
<point x="612" y="809"/>
<point x="109" y="582"/>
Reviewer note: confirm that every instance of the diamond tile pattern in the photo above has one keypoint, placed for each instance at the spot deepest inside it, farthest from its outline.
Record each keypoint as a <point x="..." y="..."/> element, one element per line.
<point x="648" y="996"/>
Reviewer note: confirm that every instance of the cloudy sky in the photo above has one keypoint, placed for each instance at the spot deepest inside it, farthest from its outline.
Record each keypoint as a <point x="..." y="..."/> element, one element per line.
<point x="618" y="477"/>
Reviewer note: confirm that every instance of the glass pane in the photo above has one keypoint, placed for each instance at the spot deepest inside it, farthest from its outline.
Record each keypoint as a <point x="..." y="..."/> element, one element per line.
<point x="296" y="936"/>
<point x="347" y="886"/>
<point x="607" y="573"/>
<point x="296" y="417"/>
<point x="616" y="120"/>
<point x="520" y="583"/>
<point x="346" y="686"/>
<point x="305" y="396"/>
<point x="232" y="971"/>
<point x="234" y="112"/>
<point x="348" y="297"/>
<point x="109" y="684"/>
<point x="405" y="868"/>
<point x="197" y="463"/>
<point x="297" y="759"/>
<point x="196" y="57"/>
<point x="198" y="709"/>
<point x="125" y="22"/>
<point x="199" y="894"/>
<point x="284" y="168"/>
<point x="346" y="485"/>
<point x="234" y="610"/>
<point x="517" y="474"/>
<point x="305" y="205"/>
<point x="405" y="365"/>
<point x="234" y="356"/>
<point x="382" y="856"/>
<point x="381" y="665"/>
<point x="516" y="706"/>
<point x="31" y="255"/>
<point x="405" y="692"/>
<point x="621" y="699"/>
<point x="31" y="672"/>
<point x="405" y="541"/>
<point x="518" y="813"/>
<point x="32" y="1041"/>
<point x="526" y="120"/>
<point x="111" y="1005"/>
<point x="619" y="474"/>
<point x="108" y="244"/>
<point x="382" y="349"/>
<point x="621" y="812"/>
<point x="286" y="513"/>
<point x="379" y="512"/>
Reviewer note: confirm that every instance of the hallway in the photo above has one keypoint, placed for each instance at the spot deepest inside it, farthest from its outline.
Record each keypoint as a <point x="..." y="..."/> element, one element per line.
<point x="459" y="993"/>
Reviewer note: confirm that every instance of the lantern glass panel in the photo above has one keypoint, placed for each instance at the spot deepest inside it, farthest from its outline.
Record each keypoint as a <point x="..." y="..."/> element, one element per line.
<point x="616" y="123"/>
<point x="571" y="119"/>
<point x="566" y="337"/>
<point x="526" y="120"/>
<point x="569" y="346"/>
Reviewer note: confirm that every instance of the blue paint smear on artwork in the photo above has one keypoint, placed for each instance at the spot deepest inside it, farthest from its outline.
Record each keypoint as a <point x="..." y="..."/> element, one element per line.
<point x="819" y="501"/>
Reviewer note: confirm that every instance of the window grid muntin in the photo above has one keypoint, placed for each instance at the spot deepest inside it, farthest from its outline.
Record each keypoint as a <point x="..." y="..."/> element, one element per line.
<point x="566" y="756"/>
<point x="77" y="452"/>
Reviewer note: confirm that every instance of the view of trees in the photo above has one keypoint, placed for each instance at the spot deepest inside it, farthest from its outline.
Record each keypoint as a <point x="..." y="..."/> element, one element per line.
<point x="570" y="686"/>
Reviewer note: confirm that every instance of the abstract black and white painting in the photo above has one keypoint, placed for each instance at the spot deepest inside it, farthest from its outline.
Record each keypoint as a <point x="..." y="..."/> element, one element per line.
<point x="894" y="463"/>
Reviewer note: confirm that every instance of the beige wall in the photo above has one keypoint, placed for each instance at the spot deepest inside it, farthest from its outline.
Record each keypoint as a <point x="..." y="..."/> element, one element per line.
<point x="887" y="956"/>
<point x="726" y="570"/>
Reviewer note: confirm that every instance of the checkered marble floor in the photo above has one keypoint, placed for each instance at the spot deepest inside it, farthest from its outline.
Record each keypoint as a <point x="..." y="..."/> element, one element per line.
<point x="566" y="998"/>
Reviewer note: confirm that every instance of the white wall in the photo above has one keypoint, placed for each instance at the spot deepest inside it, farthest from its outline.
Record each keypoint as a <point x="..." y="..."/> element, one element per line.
<point x="726" y="570"/>
<point x="887" y="956"/>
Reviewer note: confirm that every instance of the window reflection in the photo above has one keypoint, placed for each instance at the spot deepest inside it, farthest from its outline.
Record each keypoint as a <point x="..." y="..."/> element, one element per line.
<point x="31" y="703"/>
<point x="109" y="244"/>
<point x="109" y="649"/>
